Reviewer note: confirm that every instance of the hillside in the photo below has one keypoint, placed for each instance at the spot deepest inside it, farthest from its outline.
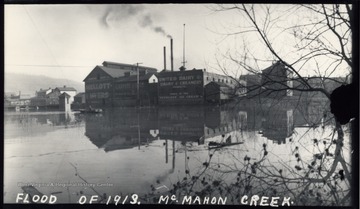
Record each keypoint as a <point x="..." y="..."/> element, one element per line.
<point x="29" y="84"/>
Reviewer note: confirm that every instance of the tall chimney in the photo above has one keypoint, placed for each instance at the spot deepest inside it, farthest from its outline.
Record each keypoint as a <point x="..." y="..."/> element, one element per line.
<point x="164" y="58"/>
<point x="171" y="55"/>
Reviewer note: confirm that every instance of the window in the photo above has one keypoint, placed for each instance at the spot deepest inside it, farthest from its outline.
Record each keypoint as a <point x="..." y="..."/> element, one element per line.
<point x="207" y="78"/>
<point x="213" y="79"/>
<point x="219" y="80"/>
<point x="154" y="80"/>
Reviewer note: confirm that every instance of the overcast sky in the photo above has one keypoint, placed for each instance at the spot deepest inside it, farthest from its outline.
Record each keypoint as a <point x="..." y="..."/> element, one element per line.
<point x="68" y="41"/>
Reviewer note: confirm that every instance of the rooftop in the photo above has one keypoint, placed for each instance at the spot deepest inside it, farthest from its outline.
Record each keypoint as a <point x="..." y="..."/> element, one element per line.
<point x="218" y="83"/>
<point x="113" y="72"/>
<point x="65" y="88"/>
<point x="134" y="77"/>
<point x="108" y="63"/>
<point x="80" y="94"/>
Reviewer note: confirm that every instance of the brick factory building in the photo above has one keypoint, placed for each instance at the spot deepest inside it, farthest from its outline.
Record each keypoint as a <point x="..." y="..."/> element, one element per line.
<point x="116" y="84"/>
<point x="187" y="87"/>
<point x="100" y="84"/>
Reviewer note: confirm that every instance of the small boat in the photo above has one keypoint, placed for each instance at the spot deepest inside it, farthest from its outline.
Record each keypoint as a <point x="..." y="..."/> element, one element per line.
<point x="215" y="145"/>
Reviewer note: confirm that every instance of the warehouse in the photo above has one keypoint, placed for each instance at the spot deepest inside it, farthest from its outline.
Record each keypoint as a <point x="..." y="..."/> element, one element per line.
<point x="99" y="84"/>
<point x="116" y="84"/>
<point x="127" y="94"/>
<point x="187" y="87"/>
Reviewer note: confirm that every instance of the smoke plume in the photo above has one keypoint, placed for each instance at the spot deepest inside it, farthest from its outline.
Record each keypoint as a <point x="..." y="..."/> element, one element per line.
<point x="114" y="15"/>
<point x="117" y="13"/>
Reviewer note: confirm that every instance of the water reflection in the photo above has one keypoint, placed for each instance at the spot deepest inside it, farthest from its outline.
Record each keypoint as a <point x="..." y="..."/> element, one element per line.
<point x="255" y="148"/>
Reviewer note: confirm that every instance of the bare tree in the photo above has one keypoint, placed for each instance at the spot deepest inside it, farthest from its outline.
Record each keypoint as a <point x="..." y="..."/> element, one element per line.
<point x="319" y="37"/>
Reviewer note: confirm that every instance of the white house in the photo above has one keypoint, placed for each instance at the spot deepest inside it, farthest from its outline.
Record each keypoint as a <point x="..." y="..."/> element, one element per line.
<point x="69" y="90"/>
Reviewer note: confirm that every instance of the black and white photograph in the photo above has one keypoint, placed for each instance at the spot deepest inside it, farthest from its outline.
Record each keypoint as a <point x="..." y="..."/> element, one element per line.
<point x="185" y="104"/>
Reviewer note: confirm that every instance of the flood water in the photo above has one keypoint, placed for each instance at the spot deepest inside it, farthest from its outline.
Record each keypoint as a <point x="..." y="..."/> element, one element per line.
<point x="269" y="149"/>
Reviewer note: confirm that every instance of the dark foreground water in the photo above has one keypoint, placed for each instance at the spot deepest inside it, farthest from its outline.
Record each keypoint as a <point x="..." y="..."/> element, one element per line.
<point x="271" y="153"/>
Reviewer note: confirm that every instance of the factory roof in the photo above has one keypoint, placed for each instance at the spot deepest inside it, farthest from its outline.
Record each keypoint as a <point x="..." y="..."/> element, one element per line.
<point x="113" y="72"/>
<point x="65" y="88"/>
<point x="64" y="95"/>
<point x="218" y="83"/>
<point x="134" y="77"/>
<point x="119" y="65"/>
<point x="43" y="90"/>
<point x="80" y="94"/>
<point x="116" y="70"/>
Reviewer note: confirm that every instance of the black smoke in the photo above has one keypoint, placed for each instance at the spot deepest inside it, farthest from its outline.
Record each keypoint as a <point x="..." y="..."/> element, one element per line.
<point x="114" y="15"/>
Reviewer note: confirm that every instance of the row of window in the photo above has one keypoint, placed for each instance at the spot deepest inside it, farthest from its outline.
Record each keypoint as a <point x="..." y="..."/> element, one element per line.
<point x="220" y="80"/>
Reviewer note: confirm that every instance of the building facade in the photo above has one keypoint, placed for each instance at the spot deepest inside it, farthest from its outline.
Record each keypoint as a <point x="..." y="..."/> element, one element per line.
<point x="128" y="92"/>
<point x="49" y="98"/>
<point x="218" y="93"/>
<point x="181" y="87"/>
<point x="188" y="87"/>
<point x="68" y="90"/>
<point x="116" y="84"/>
<point x="276" y="81"/>
<point x="105" y="84"/>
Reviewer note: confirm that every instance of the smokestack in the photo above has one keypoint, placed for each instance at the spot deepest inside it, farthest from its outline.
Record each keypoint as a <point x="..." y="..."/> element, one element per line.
<point x="171" y="55"/>
<point x="164" y="58"/>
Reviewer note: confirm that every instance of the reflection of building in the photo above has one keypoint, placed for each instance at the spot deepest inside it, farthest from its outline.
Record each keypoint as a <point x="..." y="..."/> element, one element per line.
<point x="219" y="122"/>
<point x="278" y="124"/>
<point x="121" y="128"/>
<point x="181" y="124"/>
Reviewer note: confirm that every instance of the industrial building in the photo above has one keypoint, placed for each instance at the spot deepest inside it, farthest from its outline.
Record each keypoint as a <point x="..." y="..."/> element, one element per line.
<point x="117" y="84"/>
<point x="105" y="84"/>
<point x="187" y="87"/>
<point x="276" y="81"/>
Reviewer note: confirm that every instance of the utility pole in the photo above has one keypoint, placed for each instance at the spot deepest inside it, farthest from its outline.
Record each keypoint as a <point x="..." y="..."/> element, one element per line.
<point x="138" y="83"/>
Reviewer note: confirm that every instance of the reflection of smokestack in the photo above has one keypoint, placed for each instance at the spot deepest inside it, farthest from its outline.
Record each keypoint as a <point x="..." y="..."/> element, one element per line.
<point x="164" y="58"/>
<point x="171" y="54"/>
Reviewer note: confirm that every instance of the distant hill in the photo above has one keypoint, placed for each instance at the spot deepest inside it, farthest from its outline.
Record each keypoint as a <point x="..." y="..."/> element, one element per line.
<point x="29" y="84"/>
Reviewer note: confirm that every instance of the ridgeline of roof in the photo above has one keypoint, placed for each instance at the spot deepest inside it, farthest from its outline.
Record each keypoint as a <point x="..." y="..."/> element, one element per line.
<point x="127" y="65"/>
<point x="65" y="95"/>
<point x="275" y="65"/>
<point x="218" y="83"/>
<point x="113" y="72"/>
<point x="134" y="77"/>
<point x="66" y="88"/>
<point x="79" y="94"/>
<point x="179" y="71"/>
<point x="116" y="72"/>
<point x="43" y="90"/>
